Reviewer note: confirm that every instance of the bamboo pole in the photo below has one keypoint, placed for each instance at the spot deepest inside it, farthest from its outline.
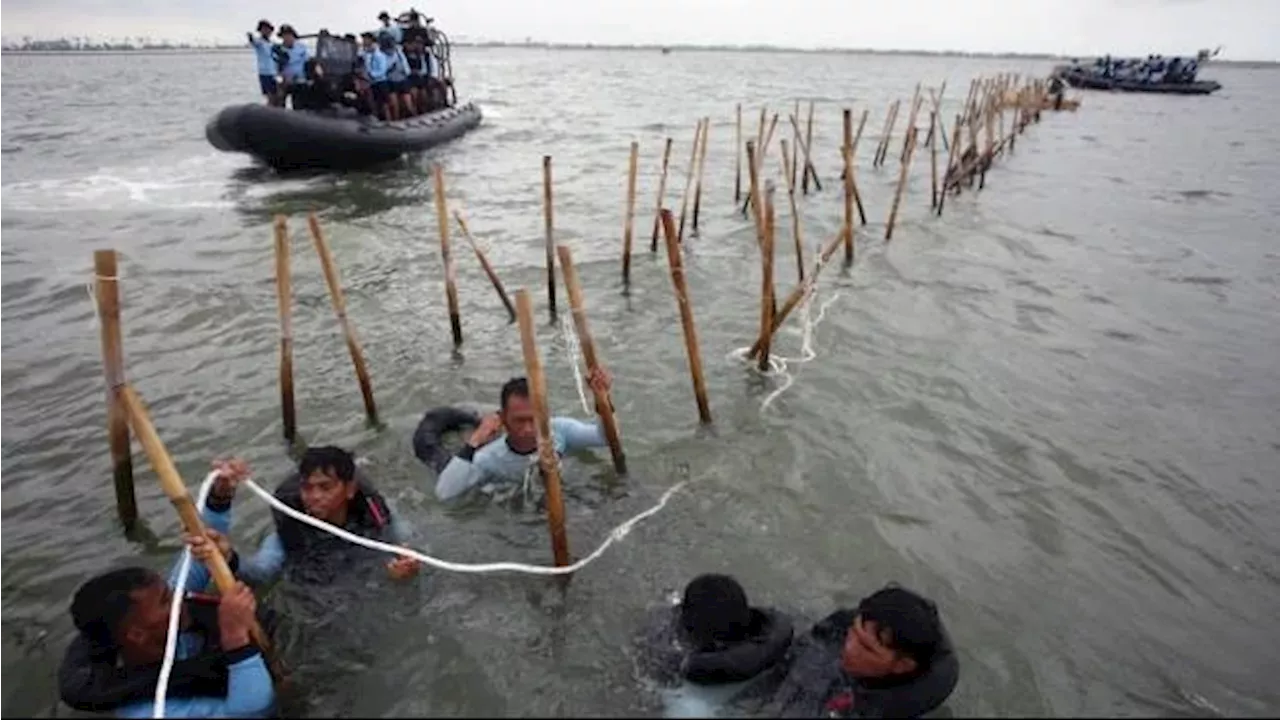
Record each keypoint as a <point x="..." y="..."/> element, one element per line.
<point x="674" y="259"/>
<point x="846" y="152"/>
<point x="764" y="115"/>
<point x="106" y="286"/>
<point x="808" y="142"/>
<point x="340" y="309"/>
<point x="176" y="491"/>
<point x="284" y="295"/>
<point x="737" y="159"/>
<point x="788" y="165"/>
<point x="702" y="163"/>
<point x="951" y="159"/>
<point x="902" y="183"/>
<point x="446" y="258"/>
<point x="804" y="148"/>
<point x="916" y="102"/>
<point x="795" y="160"/>
<point x="484" y="263"/>
<point x="798" y="293"/>
<point x="933" y="159"/>
<point x="688" y="177"/>
<point x="604" y="405"/>
<point x="629" y="220"/>
<point x="761" y="151"/>
<point x="662" y="191"/>
<point x="753" y="193"/>
<point x="766" y="283"/>
<point x="547" y="460"/>
<point x="548" y="217"/>
<point x="858" y="135"/>
<point x="884" y="133"/>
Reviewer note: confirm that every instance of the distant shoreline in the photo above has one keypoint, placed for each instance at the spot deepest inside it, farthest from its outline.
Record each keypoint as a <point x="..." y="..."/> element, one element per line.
<point x="1048" y="57"/>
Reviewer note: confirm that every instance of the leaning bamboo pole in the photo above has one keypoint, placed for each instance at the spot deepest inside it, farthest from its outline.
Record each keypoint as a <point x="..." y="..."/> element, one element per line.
<point x="604" y="404"/>
<point x="284" y="295"/>
<point x="106" y="285"/>
<point x="446" y="258"/>
<point x="484" y="264"/>
<point x="662" y="191"/>
<point x="676" y="262"/>
<point x="340" y="309"/>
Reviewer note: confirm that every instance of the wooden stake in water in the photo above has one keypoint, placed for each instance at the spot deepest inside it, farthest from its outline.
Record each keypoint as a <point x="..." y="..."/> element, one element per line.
<point x="916" y="102"/>
<point x="484" y="263"/>
<point x="446" y="258"/>
<point x="761" y="151"/>
<point x="802" y="147"/>
<point x="702" y="163"/>
<point x="284" y="295"/>
<point x="675" y="260"/>
<point x="662" y="191"/>
<point x="797" y="294"/>
<point x="604" y="405"/>
<point x="630" y="215"/>
<point x="766" y="283"/>
<point x="547" y="460"/>
<point x="788" y="168"/>
<point x="753" y="192"/>
<point x="933" y="159"/>
<point x="340" y="309"/>
<point x="737" y="160"/>
<point x="176" y="490"/>
<point x="688" y="177"/>
<point x="902" y="183"/>
<point x="794" y="162"/>
<point x="846" y="151"/>
<point x="547" y="215"/>
<point x="808" y="143"/>
<point x="947" y="177"/>
<point x="106" y="286"/>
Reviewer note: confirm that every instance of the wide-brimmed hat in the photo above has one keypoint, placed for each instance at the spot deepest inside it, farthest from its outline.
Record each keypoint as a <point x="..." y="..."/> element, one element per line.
<point x="266" y="24"/>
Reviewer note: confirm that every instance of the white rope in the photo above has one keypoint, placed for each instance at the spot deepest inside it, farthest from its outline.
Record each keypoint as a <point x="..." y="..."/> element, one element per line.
<point x="184" y="569"/>
<point x="175" y="610"/>
<point x="573" y="347"/>
<point x="780" y="364"/>
<point x="615" y="535"/>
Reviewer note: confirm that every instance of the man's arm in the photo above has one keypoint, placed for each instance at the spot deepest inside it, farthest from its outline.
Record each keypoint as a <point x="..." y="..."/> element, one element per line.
<point x="250" y="693"/>
<point x="464" y="471"/>
<point x="263" y="566"/>
<point x="577" y="435"/>
<point x="216" y="516"/>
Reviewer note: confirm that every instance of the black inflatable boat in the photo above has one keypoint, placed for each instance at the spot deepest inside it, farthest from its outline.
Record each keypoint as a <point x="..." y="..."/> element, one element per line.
<point x="338" y="139"/>
<point x="1090" y="81"/>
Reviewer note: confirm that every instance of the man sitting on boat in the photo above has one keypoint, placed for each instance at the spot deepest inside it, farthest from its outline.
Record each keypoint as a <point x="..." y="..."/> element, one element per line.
<point x="504" y="447"/>
<point x="264" y="50"/>
<point x="327" y="487"/>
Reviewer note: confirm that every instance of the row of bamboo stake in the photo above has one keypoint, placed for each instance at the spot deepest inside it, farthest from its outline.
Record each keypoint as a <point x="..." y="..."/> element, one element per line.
<point x="985" y="106"/>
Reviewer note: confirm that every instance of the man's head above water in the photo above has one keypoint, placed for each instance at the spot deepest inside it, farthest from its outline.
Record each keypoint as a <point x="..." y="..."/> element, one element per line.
<point x="516" y="411"/>
<point x="714" y="611"/>
<point x="327" y="483"/>
<point x="126" y="610"/>
<point x="896" y="632"/>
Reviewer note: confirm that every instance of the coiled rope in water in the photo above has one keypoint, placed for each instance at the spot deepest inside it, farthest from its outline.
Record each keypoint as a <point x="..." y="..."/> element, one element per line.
<point x="184" y="569"/>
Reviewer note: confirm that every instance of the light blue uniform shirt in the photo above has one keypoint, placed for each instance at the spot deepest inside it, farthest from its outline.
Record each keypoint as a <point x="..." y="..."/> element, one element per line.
<point x="394" y="30"/>
<point x="497" y="462"/>
<point x="375" y="63"/>
<point x="266" y="61"/>
<point x="295" y="66"/>
<point x="398" y="66"/>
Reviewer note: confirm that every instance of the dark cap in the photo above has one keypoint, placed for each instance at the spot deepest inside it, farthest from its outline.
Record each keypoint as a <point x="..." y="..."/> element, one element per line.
<point x="287" y="29"/>
<point x="265" y="24"/>
<point x="366" y="34"/>
<point x="384" y="15"/>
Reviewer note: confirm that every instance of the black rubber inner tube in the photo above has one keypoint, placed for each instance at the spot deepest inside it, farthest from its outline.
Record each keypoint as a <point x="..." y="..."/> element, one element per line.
<point x="428" y="439"/>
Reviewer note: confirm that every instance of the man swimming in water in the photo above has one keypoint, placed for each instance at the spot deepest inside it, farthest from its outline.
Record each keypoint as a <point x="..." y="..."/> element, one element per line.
<point x="328" y="487"/>
<point x="483" y="460"/>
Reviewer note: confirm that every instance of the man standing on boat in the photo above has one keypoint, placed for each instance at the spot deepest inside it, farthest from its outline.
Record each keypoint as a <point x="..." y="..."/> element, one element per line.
<point x="293" y="70"/>
<point x="505" y="445"/>
<point x="394" y="31"/>
<point x="264" y="50"/>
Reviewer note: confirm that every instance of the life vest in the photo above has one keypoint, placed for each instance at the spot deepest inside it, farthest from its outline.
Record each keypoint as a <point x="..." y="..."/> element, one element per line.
<point x="91" y="680"/>
<point x="315" y="556"/>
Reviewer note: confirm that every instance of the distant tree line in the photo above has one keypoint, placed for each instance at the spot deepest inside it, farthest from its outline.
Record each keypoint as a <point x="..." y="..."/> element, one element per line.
<point x="86" y="44"/>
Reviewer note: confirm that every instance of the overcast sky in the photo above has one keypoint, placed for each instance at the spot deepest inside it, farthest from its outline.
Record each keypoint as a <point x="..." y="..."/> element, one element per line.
<point x="1250" y="29"/>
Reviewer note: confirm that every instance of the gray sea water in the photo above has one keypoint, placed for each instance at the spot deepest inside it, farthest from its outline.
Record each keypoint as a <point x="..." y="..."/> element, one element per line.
<point x="1055" y="410"/>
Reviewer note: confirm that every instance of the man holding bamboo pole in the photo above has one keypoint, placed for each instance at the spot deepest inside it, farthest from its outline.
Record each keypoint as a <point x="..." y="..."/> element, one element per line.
<point x="327" y="487"/>
<point x="123" y="620"/>
<point x="502" y="449"/>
